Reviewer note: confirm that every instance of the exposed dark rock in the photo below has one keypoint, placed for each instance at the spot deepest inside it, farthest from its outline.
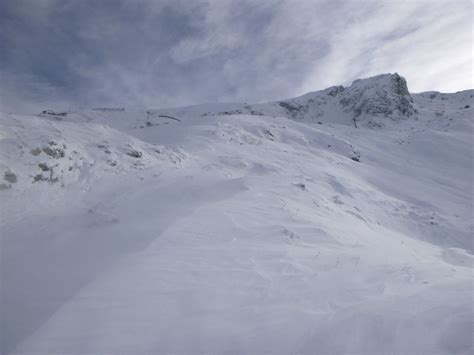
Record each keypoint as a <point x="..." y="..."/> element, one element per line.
<point x="10" y="177"/>
<point x="300" y="186"/>
<point x="54" y="152"/>
<point x="382" y="96"/>
<point x="52" y="113"/>
<point x="43" y="167"/>
<point x="135" y="154"/>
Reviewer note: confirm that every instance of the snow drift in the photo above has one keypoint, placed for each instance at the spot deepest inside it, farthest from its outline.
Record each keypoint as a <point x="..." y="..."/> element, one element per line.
<point x="335" y="222"/>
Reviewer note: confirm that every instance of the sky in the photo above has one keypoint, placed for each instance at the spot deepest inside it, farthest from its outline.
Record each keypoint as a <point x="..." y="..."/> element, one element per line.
<point x="162" y="53"/>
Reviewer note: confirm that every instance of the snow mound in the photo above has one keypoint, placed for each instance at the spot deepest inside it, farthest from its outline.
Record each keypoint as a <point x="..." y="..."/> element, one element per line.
<point x="43" y="150"/>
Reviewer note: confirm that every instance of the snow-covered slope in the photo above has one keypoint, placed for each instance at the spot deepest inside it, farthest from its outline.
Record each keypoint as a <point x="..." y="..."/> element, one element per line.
<point x="332" y="223"/>
<point x="366" y="102"/>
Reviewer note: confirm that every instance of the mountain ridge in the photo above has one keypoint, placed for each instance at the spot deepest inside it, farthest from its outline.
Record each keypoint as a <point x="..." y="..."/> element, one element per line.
<point x="366" y="100"/>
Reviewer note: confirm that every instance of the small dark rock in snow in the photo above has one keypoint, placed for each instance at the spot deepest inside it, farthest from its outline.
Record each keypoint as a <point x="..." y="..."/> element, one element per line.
<point x="52" y="113"/>
<point x="54" y="152"/>
<point x="43" y="167"/>
<point x="301" y="186"/>
<point x="135" y="154"/>
<point x="10" y="177"/>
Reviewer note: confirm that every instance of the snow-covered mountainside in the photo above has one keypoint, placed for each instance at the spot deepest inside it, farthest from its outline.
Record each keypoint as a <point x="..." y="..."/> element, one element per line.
<point x="333" y="223"/>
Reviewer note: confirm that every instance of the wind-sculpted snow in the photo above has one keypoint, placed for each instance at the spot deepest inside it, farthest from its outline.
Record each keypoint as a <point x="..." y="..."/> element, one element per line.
<point x="278" y="228"/>
<point x="40" y="149"/>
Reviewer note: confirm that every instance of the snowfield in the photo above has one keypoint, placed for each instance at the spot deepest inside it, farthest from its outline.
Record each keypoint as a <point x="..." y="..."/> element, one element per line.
<point x="339" y="222"/>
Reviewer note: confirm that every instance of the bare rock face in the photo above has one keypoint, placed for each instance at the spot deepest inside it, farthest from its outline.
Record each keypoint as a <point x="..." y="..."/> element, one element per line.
<point x="383" y="96"/>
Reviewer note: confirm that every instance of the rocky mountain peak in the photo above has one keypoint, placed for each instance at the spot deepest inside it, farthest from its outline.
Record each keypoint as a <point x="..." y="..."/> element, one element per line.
<point x="384" y="95"/>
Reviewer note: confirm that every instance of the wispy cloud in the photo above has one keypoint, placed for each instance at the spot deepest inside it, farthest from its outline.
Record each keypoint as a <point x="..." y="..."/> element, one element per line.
<point x="177" y="52"/>
<point x="430" y="43"/>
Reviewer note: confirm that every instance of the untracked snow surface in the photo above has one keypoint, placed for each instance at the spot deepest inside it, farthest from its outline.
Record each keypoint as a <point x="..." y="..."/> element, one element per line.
<point x="339" y="222"/>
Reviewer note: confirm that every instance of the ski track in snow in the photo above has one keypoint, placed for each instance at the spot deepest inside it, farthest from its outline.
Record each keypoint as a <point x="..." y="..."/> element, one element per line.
<point x="236" y="228"/>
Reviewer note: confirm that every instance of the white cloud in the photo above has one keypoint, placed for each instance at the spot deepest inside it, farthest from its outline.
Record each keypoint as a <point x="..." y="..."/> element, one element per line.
<point x="430" y="43"/>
